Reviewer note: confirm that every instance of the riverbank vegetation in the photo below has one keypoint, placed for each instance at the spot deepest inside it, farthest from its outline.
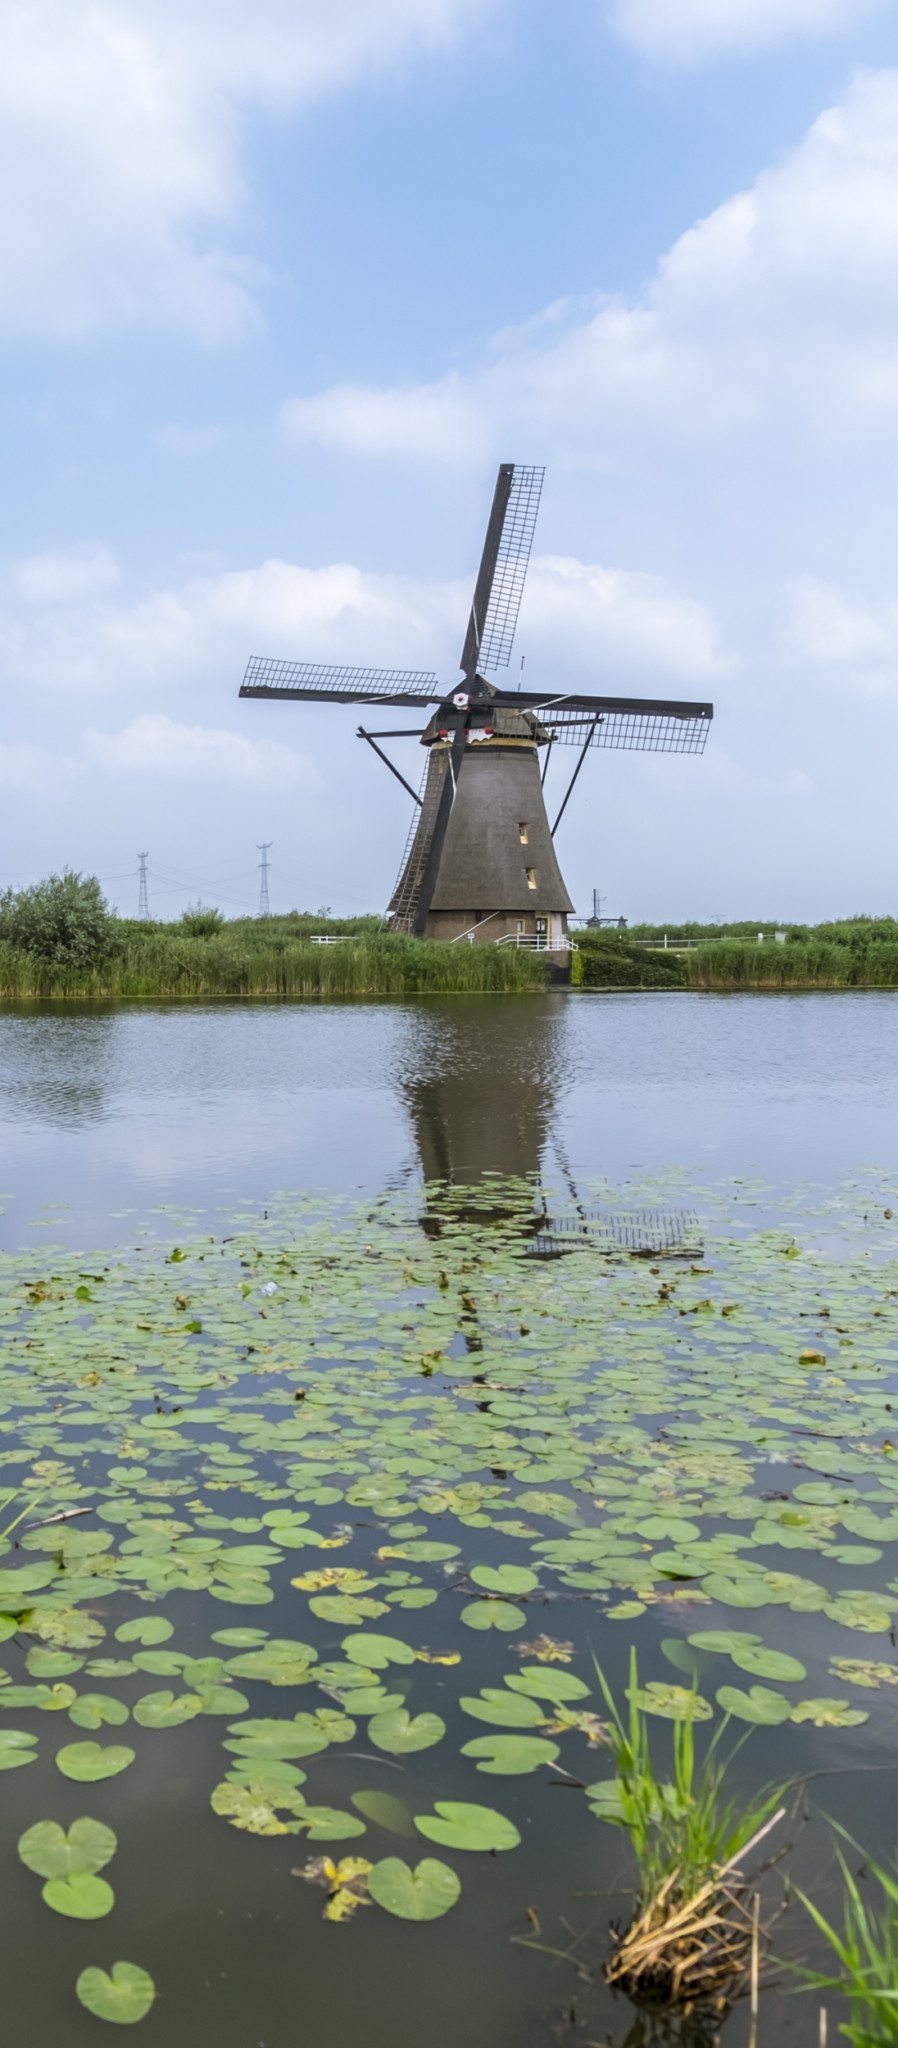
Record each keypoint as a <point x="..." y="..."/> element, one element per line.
<point x="859" y="953"/>
<point x="60" y="941"/>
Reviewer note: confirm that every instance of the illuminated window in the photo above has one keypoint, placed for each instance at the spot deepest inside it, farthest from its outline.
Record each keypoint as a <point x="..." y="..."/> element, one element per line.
<point x="525" y="834"/>
<point x="531" y="878"/>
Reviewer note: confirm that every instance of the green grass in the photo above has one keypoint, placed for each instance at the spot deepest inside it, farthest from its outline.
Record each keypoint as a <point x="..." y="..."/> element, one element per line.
<point x="866" y="1950"/>
<point x="822" y="957"/>
<point x="269" y="960"/>
<point x="686" y="1824"/>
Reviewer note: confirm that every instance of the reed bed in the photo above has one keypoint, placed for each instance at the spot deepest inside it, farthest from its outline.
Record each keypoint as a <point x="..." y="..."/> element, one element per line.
<point x="170" y="965"/>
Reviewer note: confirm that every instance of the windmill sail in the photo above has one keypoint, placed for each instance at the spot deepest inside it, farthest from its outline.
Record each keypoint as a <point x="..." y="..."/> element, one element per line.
<point x="503" y="567"/>
<point x="348" y="685"/>
<point x="645" y="725"/>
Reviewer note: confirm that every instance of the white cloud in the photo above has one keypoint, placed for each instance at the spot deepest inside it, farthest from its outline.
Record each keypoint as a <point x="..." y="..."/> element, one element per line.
<point x="196" y="635"/>
<point x="830" y="630"/>
<point x="120" y="143"/>
<point x="155" y="746"/>
<point x="60" y="576"/>
<point x="773" y="320"/>
<point x="683" y="30"/>
<point x="617" y="622"/>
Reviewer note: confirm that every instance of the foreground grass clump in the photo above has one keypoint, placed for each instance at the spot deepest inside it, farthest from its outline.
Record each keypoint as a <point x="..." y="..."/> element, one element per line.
<point x="689" y="1944"/>
<point x="867" y="1953"/>
<point x="252" y="960"/>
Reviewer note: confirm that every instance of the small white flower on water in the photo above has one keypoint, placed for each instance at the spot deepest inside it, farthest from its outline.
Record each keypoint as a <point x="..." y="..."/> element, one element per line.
<point x="270" y="1287"/>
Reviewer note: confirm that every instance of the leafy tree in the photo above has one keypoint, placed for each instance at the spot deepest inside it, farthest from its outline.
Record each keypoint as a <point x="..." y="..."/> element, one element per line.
<point x="201" y="920"/>
<point x="64" y="919"/>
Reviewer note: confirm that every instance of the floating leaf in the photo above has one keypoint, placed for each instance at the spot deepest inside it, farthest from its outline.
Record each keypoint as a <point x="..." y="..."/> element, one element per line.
<point x="829" y="1713"/>
<point x="385" y="1810"/>
<point x="50" y="1851"/>
<point x="399" y="1734"/>
<point x="425" y="1893"/>
<point x="80" y="1896"/>
<point x="377" y="1651"/>
<point x="167" y="1709"/>
<point x="458" y="1825"/>
<point x="146" y="1629"/>
<point x="93" y="1709"/>
<point x="484" y="1614"/>
<point x="508" y="1756"/>
<point x="505" y="1709"/>
<point x="511" y="1579"/>
<point x="124" y="1994"/>
<point x="673" y="1702"/>
<point x="88" y="1762"/>
<point x="16" y="1748"/>
<point x="764" y="1663"/>
<point x="245" y="1807"/>
<point x="758" y="1705"/>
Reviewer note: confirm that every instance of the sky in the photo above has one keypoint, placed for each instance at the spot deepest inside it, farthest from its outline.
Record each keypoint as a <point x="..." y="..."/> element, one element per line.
<point x="281" y="287"/>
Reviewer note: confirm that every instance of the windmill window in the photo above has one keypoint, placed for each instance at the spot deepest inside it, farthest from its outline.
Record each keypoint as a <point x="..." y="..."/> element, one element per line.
<point x="531" y="878"/>
<point x="524" y="831"/>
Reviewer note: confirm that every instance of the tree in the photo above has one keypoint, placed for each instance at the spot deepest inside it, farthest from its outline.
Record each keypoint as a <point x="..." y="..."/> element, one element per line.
<point x="201" y="920"/>
<point x="64" y="919"/>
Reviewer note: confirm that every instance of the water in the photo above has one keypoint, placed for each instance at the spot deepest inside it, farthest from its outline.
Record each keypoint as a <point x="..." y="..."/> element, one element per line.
<point x="121" y="1127"/>
<point x="113" y="1109"/>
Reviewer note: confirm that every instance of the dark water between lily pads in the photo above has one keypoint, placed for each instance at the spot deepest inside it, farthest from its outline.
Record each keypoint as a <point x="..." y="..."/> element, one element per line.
<point x="407" y="1357"/>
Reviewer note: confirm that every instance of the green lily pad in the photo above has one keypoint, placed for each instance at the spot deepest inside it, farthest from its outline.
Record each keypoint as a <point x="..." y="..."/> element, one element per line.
<point x="123" y="1995"/>
<point x="400" y="1734"/>
<point x="167" y="1709"/>
<point x="88" y="1762"/>
<point x="546" y="1682"/>
<point x="51" y="1852"/>
<point x="458" y="1825"/>
<point x="425" y="1893"/>
<point x="512" y="1579"/>
<point x="146" y="1629"/>
<point x="93" y="1709"/>
<point x="376" y="1651"/>
<point x="507" y="1756"/>
<point x="80" y="1896"/>
<point x="505" y="1709"/>
<point x="759" y="1705"/>
<point x="17" y="1747"/>
<point x="764" y="1663"/>
<point x="246" y="1807"/>
<point x="500" y="1614"/>
<point x="673" y="1702"/>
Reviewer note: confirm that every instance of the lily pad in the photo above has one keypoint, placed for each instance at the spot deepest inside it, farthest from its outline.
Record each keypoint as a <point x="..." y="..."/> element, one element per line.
<point x="511" y="1579"/>
<point x="509" y="1756"/>
<point x="484" y="1614"/>
<point x="759" y="1705"/>
<point x="425" y="1893"/>
<point x="80" y="1896"/>
<point x="376" y="1651"/>
<point x="764" y="1663"/>
<point x="385" y="1810"/>
<point x="459" y="1825"/>
<point x="829" y="1713"/>
<point x="124" y="1994"/>
<point x="88" y="1762"/>
<point x="52" y="1852"/>
<point x="167" y="1709"/>
<point x="17" y="1747"/>
<point x="93" y="1709"/>
<point x="400" y="1734"/>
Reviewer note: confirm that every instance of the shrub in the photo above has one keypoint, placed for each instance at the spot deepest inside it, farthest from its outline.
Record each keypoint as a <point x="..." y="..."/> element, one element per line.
<point x="201" y="920"/>
<point x="63" y="920"/>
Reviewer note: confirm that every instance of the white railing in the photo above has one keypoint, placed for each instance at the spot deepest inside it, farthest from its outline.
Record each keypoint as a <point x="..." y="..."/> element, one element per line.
<point x="538" y="942"/>
<point x="327" y="938"/>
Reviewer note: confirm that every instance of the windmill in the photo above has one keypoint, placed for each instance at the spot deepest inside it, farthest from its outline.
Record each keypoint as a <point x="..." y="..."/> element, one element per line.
<point x="480" y="859"/>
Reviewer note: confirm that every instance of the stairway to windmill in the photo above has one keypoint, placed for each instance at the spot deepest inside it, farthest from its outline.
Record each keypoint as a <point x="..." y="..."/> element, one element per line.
<point x="479" y="862"/>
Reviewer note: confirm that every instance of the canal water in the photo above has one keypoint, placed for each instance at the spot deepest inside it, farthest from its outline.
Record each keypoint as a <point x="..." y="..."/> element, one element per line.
<point x="314" y="1304"/>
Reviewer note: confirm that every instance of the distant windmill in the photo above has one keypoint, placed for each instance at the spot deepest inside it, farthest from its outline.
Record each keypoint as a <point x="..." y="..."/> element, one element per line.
<point x="480" y="861"/>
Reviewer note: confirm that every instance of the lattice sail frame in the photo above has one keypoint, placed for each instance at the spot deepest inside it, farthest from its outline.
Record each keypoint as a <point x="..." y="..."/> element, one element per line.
<point x="512" y="560"/>
<point x="649" y="728"/>
<point x="338" y="685"/>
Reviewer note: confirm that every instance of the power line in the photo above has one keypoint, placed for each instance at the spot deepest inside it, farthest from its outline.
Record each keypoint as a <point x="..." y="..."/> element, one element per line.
<point x="264" y="907"/>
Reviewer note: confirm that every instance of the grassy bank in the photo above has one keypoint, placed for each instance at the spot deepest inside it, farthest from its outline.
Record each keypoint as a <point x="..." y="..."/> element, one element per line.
<point x="862" y="954"/>
<point x="264" y="959"/>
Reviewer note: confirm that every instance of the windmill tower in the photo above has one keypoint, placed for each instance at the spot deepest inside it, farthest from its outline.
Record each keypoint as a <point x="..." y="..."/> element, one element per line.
<point x="480" y="859"/>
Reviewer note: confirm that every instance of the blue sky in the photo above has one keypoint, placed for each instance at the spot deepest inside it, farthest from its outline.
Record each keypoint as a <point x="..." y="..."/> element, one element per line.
<point x="281" y="286"/>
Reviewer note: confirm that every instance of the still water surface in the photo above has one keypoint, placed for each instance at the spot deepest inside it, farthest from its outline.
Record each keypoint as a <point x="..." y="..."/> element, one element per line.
<point x="105" y="1110"/>
<point x="112" y="1119"/>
